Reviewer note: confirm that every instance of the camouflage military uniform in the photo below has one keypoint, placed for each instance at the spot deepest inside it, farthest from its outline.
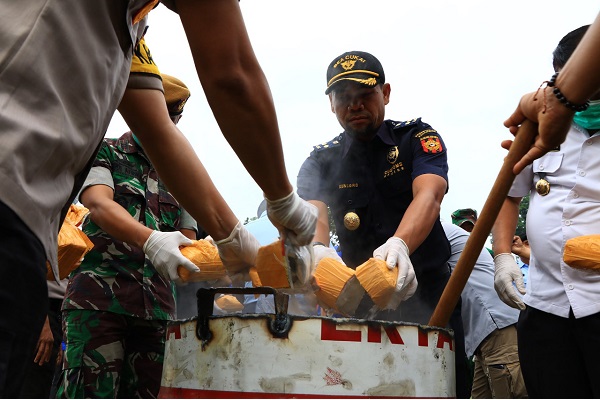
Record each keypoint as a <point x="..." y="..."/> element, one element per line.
<point x="117" y="304"/>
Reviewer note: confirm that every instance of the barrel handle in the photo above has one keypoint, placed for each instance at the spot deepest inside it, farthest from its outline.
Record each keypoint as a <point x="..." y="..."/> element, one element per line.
<point x="279" y="324"/>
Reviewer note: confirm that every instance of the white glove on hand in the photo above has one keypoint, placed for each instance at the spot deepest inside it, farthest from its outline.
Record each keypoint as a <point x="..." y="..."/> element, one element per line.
<point x="395" y="253"/>
<point x="295" y="218"/>
<point x="321" y="252"/>
<point x="238" y="251"/>
<point x="506" y="272"/>
<point x="162" y="249"/>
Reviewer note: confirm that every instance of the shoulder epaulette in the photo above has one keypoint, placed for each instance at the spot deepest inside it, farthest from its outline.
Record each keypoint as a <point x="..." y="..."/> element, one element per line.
<point x="402" y="124"/>
<point x="328" y="145"/>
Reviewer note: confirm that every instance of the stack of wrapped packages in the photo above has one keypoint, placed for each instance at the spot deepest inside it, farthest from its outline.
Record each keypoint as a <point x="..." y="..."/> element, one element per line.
<point x="337" y="288"/>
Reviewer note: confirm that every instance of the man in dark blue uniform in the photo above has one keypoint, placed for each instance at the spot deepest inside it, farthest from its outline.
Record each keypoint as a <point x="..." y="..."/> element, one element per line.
<point x="383" y="181"/>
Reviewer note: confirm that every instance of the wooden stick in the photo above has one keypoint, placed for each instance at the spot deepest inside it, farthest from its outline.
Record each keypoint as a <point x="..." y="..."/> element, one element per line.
<point x="483" y="227"/>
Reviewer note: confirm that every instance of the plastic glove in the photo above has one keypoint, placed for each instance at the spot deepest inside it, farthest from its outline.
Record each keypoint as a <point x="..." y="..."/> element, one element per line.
<point x="321" y="252"/>
<point x="295" y="218"/>
<point x="162" y="249"/>
<point x="238" y="251"/>
<point x="507" y="271"/>
<point x="395" y="253"/>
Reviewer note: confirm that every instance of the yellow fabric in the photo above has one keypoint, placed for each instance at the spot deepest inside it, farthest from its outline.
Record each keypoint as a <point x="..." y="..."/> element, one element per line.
<point x="142" y="61"/>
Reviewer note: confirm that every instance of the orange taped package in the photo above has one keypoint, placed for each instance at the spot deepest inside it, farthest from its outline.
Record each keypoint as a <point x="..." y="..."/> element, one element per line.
<point x="73" y="244"/>
<point x="271" y="266"/>
<point x="331" y="276"/>
<point x="583" y="252"/>
<point x="378" y="280"/>
<point x="206" y="257"/>
<point x="229" y="303"/>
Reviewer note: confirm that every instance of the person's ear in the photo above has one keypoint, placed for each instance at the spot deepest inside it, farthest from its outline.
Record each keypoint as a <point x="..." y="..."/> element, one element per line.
<point x="386" y="89"/>
<point x="331" y="102"/>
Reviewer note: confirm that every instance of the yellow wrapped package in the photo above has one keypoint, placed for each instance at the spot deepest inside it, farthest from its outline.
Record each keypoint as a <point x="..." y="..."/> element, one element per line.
<point x="378" y="280"/>
<point x="331" y="276"/>
<point x="229" y="303"/>
<point x="206" y="257"/>
<point x="271" y="266"/>
<point x="583" y="252"/>
<point x="73" y="244"/>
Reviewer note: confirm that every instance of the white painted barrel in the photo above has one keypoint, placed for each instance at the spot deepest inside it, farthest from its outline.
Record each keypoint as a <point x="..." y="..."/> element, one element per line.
<point x="283" y="356"/>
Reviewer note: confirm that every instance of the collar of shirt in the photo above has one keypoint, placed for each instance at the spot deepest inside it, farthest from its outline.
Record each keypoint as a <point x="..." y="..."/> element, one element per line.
<point x="383" y="133"/>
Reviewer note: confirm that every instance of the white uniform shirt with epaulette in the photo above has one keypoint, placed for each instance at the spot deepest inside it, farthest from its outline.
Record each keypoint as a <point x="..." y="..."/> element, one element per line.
<point x="568" y="210"/>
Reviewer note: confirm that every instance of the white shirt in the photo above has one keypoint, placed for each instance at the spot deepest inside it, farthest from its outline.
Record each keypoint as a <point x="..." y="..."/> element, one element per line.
<point x="570" y="209"/>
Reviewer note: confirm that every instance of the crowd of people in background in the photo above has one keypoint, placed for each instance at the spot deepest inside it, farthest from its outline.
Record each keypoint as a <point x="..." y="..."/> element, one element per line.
<point x="382" y="181"/>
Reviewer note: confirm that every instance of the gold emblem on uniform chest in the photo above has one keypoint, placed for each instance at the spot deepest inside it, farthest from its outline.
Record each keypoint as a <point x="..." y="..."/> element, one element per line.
<point x="351" y="221"/>
<point x="395" y="169"/>
<point x="392" y="155"/>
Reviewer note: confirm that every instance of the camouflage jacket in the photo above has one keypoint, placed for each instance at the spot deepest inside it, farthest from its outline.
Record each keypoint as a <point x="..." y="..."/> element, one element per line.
<point x="115" y="276"/>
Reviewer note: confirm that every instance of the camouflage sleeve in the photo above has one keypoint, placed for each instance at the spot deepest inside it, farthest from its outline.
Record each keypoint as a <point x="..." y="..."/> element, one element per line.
<point x="101" y="171"/>
<point x="186" y="221"/>
<point x="99" y="176"/>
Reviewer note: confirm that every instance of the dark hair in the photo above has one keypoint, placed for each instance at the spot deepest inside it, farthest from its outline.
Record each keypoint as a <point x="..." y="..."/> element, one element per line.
<point x="566" y="46"/>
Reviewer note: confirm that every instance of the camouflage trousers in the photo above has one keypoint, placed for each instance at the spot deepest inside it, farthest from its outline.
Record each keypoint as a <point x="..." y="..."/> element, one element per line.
<point x="111" y="355"/>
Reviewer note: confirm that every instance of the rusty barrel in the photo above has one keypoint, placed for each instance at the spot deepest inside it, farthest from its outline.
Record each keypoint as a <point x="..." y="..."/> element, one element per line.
<point x="284" y="356"/>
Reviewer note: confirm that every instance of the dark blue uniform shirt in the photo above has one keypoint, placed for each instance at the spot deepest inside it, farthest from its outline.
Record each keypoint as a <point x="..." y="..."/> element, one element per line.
<point x="374" y="180"/>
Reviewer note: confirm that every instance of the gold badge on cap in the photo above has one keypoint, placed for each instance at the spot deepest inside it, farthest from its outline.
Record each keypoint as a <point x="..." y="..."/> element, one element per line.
<point x="542" y="187"/>
<point x="351" y="221"/>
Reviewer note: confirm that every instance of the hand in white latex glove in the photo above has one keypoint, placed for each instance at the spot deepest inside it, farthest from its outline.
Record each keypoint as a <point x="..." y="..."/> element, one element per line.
<point x="395" y="254"/>
<point x="162" y="249"/>
<point x="507" y="272"/>
<point x="238" y="251"/>
<point x="296" y="219"/>
<point x="321" y="252"/>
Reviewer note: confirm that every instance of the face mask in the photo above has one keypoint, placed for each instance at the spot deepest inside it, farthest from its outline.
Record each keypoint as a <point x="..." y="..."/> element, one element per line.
<point x="590" y="118"/>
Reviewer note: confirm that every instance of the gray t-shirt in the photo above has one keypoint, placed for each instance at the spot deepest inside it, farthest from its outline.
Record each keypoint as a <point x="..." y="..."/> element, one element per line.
<point x="64" y="66"/>
<point x="482" y="310"/>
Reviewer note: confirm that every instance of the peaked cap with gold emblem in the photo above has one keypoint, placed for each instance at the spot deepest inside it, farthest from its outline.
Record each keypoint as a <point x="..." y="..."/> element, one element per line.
<point x="356" y="66"/>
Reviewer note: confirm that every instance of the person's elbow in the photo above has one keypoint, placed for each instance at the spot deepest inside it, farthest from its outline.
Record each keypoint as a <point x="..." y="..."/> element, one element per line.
<point x="236" y="79"/>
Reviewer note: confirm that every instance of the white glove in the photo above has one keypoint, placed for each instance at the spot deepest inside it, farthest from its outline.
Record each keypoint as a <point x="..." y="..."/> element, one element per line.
<point x="321" y="252"/>
<point x="395" y="253"/>
<point x="295" y="218"/>
<point x="162" y="249"/>
<point x="238" y="251"/>
<point x="507" y="271"/>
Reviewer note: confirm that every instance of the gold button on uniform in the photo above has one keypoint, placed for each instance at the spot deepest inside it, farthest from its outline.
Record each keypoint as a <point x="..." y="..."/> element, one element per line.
<point x="351" y="221"/>
<point x="542" y="187"/>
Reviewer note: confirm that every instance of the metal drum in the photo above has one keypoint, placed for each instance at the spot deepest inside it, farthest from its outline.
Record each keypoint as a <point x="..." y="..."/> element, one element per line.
<point x="284" y="356"/>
